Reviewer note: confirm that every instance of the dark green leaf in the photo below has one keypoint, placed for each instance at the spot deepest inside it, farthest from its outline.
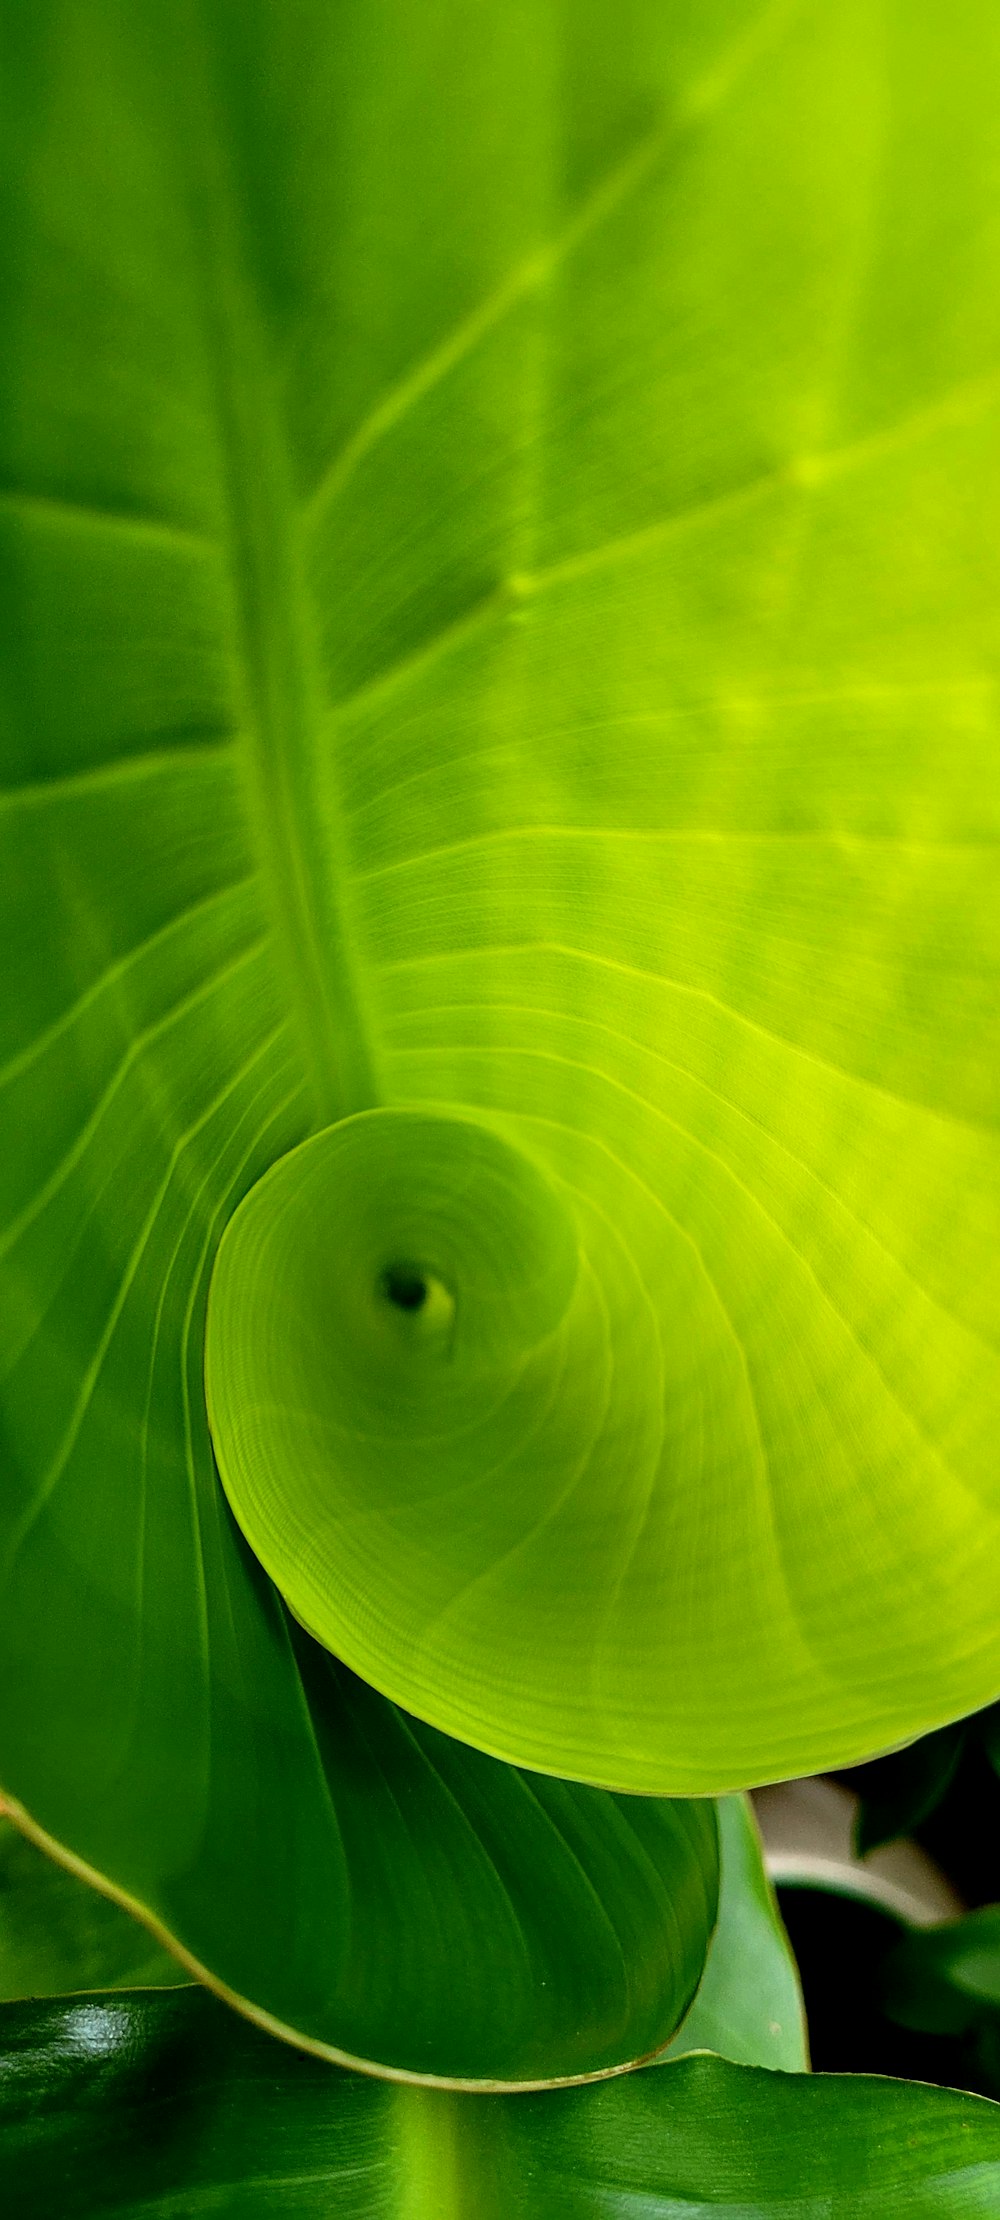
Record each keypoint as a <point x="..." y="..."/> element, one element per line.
<point x="898" y="1791"/>
<point x="990" y="1732"/>
<point x="457" y="1918"/>
<point x="945" y="1978"/>
<point x="171" y="2107"/>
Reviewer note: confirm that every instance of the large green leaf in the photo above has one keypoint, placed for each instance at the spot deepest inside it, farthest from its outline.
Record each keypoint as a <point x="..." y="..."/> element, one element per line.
<point x="135" y="2105"/>
<point x="497" y="527"/>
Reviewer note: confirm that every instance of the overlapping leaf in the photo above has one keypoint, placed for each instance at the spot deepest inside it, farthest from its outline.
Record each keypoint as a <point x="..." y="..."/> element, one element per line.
<point x="58" y="1935"/>
<point x="413" y="1903"/>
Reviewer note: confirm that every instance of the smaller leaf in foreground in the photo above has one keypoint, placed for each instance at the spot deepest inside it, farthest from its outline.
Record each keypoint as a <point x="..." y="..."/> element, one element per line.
<point x="749" y="2004"/>
<point x="58" y="1934"/>
<point x="131" y="2104"/>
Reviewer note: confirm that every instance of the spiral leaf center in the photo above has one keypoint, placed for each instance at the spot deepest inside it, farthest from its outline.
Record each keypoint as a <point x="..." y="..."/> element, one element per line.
<point x="405" y="1286"/>
<point x="385" y="1311"/>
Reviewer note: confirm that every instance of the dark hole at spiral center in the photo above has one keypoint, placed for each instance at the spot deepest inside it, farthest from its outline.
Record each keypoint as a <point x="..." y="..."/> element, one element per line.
<point x="405" y="1287"/>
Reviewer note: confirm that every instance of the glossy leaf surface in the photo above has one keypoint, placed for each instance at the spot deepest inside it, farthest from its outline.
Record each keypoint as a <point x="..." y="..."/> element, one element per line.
<point x="749" y="2004"/>
<point x="125" y="2105"/>
<point x="497" y="526"/>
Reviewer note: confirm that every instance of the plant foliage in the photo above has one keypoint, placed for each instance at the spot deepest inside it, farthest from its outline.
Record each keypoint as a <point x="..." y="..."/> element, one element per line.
<point x="120" y="2103"/>
<point x="497" y="884"/>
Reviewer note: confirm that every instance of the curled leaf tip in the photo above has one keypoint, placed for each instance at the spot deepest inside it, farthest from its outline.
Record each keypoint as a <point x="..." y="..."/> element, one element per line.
<point x="378" y="1303"/>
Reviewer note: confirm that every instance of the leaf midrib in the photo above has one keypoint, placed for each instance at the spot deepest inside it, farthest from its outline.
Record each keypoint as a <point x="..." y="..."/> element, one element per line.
<point x="295" y="813"/>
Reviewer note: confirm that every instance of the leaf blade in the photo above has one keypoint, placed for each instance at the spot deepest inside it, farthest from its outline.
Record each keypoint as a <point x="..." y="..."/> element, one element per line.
<point x="173" y="2099"/>
<point x="635" y="742"/>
